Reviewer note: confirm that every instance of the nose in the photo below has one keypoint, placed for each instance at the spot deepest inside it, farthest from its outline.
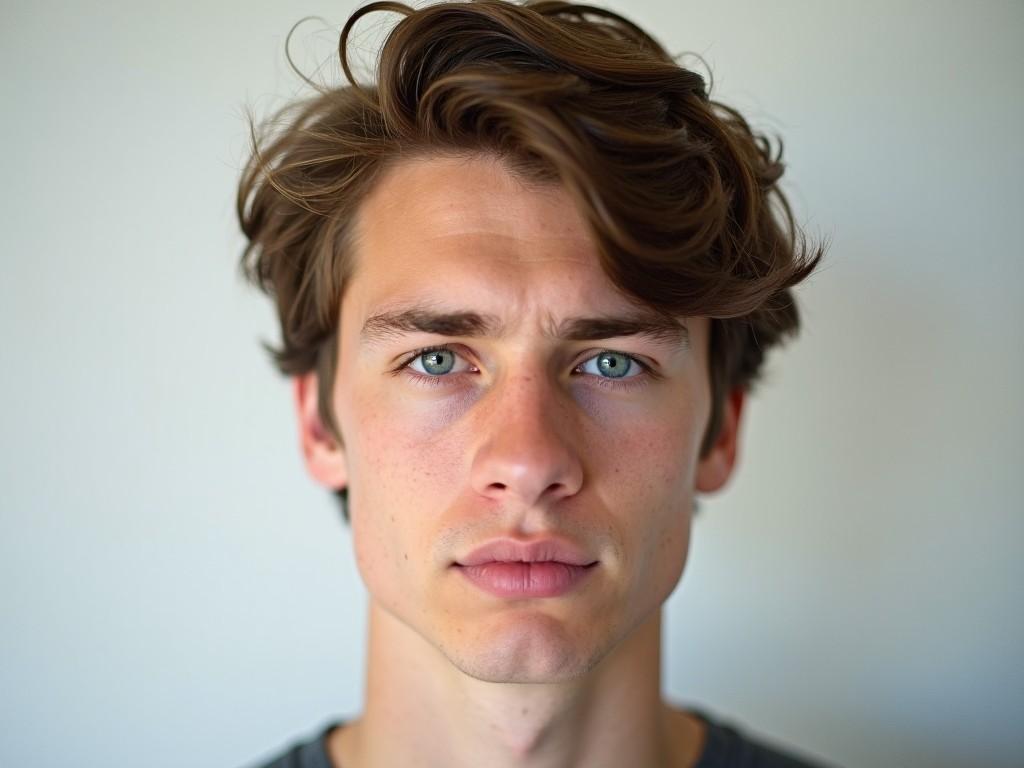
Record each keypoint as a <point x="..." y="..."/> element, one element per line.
<point x="529" y="454"/>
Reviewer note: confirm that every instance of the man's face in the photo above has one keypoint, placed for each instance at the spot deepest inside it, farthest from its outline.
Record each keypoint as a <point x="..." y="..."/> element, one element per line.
<point x="521" y="434"/>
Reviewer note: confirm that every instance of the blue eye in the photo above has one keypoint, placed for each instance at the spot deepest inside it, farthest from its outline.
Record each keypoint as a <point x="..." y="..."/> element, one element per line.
<point x="613" y="365"/>
<point x="437" y="362"/>
<point x="431" y="366"/>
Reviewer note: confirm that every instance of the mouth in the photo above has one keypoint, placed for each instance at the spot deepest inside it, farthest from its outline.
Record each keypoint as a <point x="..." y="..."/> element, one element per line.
<point x="512" y="579"/>
<point x="516" y="568"/>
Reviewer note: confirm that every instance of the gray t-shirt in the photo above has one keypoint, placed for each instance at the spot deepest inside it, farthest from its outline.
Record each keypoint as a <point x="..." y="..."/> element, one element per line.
<point x="724" y="747"/>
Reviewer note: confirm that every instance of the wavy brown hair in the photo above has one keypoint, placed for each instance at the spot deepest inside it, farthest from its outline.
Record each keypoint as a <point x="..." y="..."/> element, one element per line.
<point x="680" y="194"/>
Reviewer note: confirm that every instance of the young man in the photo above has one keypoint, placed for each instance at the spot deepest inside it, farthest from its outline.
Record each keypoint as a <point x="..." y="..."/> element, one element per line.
<point x="525" y="282"/>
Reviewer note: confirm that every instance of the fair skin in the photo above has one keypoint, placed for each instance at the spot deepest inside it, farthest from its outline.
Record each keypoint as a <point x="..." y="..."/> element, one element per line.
<point x="516" y="434"/>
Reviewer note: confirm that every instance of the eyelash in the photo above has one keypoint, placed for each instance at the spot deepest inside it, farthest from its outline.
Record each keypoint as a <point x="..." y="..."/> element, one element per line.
<point x="632" y="382"/>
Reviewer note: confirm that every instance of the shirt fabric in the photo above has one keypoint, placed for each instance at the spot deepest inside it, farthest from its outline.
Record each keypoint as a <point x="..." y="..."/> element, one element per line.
<point x="724" y="747"/>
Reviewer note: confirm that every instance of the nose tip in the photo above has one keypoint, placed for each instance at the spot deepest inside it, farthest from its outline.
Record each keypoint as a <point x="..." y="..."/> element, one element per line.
<point x="529" y="453"/>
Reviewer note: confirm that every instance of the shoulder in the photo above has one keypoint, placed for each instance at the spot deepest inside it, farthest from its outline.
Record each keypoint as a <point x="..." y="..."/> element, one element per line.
<point x="725" y="746"/>
<point x="728" y="746"/>
<point x="311" y="753"/>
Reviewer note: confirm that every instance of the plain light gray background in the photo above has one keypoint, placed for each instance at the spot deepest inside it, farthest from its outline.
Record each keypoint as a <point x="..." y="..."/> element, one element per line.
<point x="175" y="591"/>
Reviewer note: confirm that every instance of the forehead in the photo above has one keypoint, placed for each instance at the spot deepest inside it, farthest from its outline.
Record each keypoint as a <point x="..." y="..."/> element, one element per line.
<point x="439" y="226"/>
<point x="443" y="197"/>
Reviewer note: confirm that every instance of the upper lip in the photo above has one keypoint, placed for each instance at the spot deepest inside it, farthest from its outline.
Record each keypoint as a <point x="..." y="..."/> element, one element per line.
<point x="540" y="551"/>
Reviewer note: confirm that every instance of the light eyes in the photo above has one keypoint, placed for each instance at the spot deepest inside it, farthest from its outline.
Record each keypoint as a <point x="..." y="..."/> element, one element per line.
<point x="436" y="362"/>
<point x="613" y="365"/>
<point x="608" y="368"/>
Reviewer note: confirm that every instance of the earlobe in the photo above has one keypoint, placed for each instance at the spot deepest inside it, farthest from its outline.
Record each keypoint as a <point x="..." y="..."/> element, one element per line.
<point x="715" y="469"/>
<point x="324" y="457"/>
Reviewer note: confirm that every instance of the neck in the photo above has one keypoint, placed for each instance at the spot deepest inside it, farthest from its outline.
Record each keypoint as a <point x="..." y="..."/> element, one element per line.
<point x="611" y="716"/>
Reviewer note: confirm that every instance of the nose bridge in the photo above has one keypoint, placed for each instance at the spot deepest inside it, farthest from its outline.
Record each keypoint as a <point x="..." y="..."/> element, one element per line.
<point x="529" y="450"/>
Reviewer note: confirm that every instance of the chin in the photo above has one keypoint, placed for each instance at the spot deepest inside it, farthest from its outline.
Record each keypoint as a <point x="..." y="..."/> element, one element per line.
<point x="534" y="649"/>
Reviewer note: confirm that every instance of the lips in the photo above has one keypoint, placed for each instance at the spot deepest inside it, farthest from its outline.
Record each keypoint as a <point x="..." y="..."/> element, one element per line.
<point x="548" y="550"/>
<point x="509" y="568"/>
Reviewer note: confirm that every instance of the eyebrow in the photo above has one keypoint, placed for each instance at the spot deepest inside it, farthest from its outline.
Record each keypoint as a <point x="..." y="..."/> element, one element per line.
<point x="662" y="329"/>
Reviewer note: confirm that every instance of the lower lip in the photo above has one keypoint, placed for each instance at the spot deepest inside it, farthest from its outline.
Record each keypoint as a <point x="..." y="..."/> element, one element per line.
<point x="526" y="579"/>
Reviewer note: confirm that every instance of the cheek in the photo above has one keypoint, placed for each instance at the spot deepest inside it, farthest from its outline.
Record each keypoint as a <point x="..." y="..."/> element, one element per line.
<point x="403" y="473"/>
<point x="410" y="455"/>
<point x="646" y="480"/>
<point x="650" y="458"/>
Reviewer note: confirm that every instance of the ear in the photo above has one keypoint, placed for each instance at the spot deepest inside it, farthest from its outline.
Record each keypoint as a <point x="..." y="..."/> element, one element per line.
<point x="715" y="469"/>
<point x="325" y="458"/>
